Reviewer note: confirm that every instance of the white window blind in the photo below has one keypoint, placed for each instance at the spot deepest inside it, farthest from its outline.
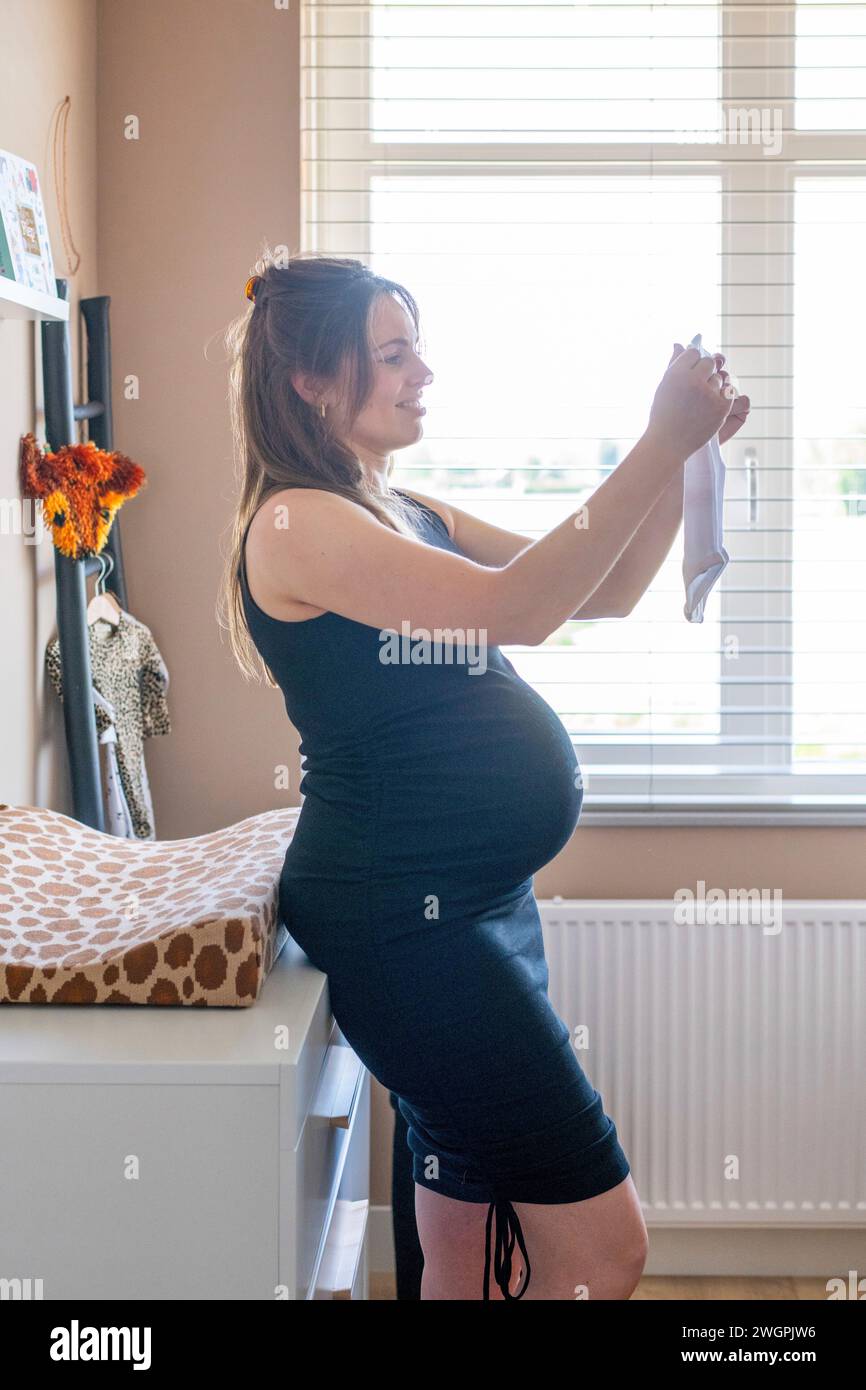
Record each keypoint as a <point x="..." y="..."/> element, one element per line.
<point x="567" y="189"/>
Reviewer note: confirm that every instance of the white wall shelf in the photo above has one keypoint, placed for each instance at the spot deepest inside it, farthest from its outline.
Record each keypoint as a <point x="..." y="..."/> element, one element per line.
<point x="22" y="302"/>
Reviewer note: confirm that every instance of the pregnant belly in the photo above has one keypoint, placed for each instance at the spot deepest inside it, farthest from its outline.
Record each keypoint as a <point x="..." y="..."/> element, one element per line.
<point x="501" y="804"/>
<point x="458" y="800"/>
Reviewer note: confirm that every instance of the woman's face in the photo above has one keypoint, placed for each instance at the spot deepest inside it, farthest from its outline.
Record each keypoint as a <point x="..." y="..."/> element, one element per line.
<point x="393" y="415"/>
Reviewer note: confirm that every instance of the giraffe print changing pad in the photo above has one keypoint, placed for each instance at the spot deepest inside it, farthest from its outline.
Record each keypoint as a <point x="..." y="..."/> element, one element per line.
<point x="88" y="918"/>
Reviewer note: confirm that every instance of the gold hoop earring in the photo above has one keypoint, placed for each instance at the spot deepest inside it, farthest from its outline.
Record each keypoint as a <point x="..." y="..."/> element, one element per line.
<point x="322" y="409"/>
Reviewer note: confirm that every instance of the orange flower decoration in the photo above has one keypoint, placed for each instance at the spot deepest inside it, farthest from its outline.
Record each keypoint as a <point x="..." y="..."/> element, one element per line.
<point x="81" y="489"/>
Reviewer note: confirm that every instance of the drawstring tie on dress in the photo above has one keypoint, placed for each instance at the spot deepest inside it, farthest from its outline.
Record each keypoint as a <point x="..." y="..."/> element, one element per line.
<point x="507" y="1232"/>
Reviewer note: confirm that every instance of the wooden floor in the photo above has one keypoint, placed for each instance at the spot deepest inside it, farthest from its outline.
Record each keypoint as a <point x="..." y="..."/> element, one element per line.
<point x="658" y="1286"/>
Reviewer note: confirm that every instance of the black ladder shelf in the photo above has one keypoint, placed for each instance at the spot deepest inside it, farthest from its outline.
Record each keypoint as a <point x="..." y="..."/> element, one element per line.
<point x="61" y="415"/>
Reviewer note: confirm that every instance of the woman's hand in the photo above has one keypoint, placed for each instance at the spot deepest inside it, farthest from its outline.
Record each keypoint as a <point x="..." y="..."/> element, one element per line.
<point x="737" y="418"/>
<point x="691" y="403"/>
<point x="739" y="410"/>
<point x="741" y="404"/>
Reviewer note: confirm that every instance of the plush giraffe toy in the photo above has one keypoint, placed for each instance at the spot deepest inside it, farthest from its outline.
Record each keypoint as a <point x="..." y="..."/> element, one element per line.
<point x="81" y="488"/>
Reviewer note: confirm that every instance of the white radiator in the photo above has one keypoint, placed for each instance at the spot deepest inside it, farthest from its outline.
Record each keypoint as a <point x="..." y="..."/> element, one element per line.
<point x="732" y="1058"/>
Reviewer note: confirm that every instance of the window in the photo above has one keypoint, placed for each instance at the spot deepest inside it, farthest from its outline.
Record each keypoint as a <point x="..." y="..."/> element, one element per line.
<point x="567" y="189"/>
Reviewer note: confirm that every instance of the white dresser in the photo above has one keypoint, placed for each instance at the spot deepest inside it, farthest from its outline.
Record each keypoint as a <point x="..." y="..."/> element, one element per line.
<point x="185" y="1153"/>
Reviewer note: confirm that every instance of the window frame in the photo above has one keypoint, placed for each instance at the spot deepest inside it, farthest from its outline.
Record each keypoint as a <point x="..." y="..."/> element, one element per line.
<point x="764" y="603"/>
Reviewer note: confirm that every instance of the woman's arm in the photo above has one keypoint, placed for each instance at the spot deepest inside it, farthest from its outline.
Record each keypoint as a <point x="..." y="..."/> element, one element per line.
<point x="638" y="564"/>
<point x="479" y="540"/>
<point x="337" y="556"/>
<point x="630" y="577"/>
<point x="641" y="560"/>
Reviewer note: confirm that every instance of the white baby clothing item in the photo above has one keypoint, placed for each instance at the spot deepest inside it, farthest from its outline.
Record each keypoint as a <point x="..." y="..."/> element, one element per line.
<point x="704" y="554"/>
<point x="118" y="817"/>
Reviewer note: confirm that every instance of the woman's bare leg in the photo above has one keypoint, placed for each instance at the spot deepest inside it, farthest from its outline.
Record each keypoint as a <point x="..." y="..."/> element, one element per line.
<point x="593" y="1249"/>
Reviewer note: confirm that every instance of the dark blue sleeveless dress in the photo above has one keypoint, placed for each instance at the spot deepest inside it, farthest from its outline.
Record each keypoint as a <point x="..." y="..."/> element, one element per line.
<point x="433" y="791"/>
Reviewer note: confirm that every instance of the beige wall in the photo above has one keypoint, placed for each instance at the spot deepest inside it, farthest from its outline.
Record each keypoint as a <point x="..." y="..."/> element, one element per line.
<point x="48" y="52"/>
<point x="182" y="213"/>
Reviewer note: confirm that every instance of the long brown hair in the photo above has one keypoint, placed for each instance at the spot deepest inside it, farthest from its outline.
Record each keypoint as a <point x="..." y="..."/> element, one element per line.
<point x="312" y="315"/>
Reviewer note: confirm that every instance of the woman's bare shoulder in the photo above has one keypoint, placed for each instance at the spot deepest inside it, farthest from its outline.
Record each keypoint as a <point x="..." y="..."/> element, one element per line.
<point x="279" y="505"/>
<point x="265" y="555"/>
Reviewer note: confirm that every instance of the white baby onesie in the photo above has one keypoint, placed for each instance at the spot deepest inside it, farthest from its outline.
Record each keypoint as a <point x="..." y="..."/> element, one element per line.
<point x="704" y="554"/>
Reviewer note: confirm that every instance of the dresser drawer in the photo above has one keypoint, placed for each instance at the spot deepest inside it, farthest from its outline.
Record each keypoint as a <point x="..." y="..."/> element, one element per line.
<point x="131" y="1192"/>
<point x="311" y="1174"/>
<point x="342" y="1269"/>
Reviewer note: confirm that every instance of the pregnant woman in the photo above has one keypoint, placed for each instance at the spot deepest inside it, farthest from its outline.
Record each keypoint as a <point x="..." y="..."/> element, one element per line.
<point x="437" y="781"/>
